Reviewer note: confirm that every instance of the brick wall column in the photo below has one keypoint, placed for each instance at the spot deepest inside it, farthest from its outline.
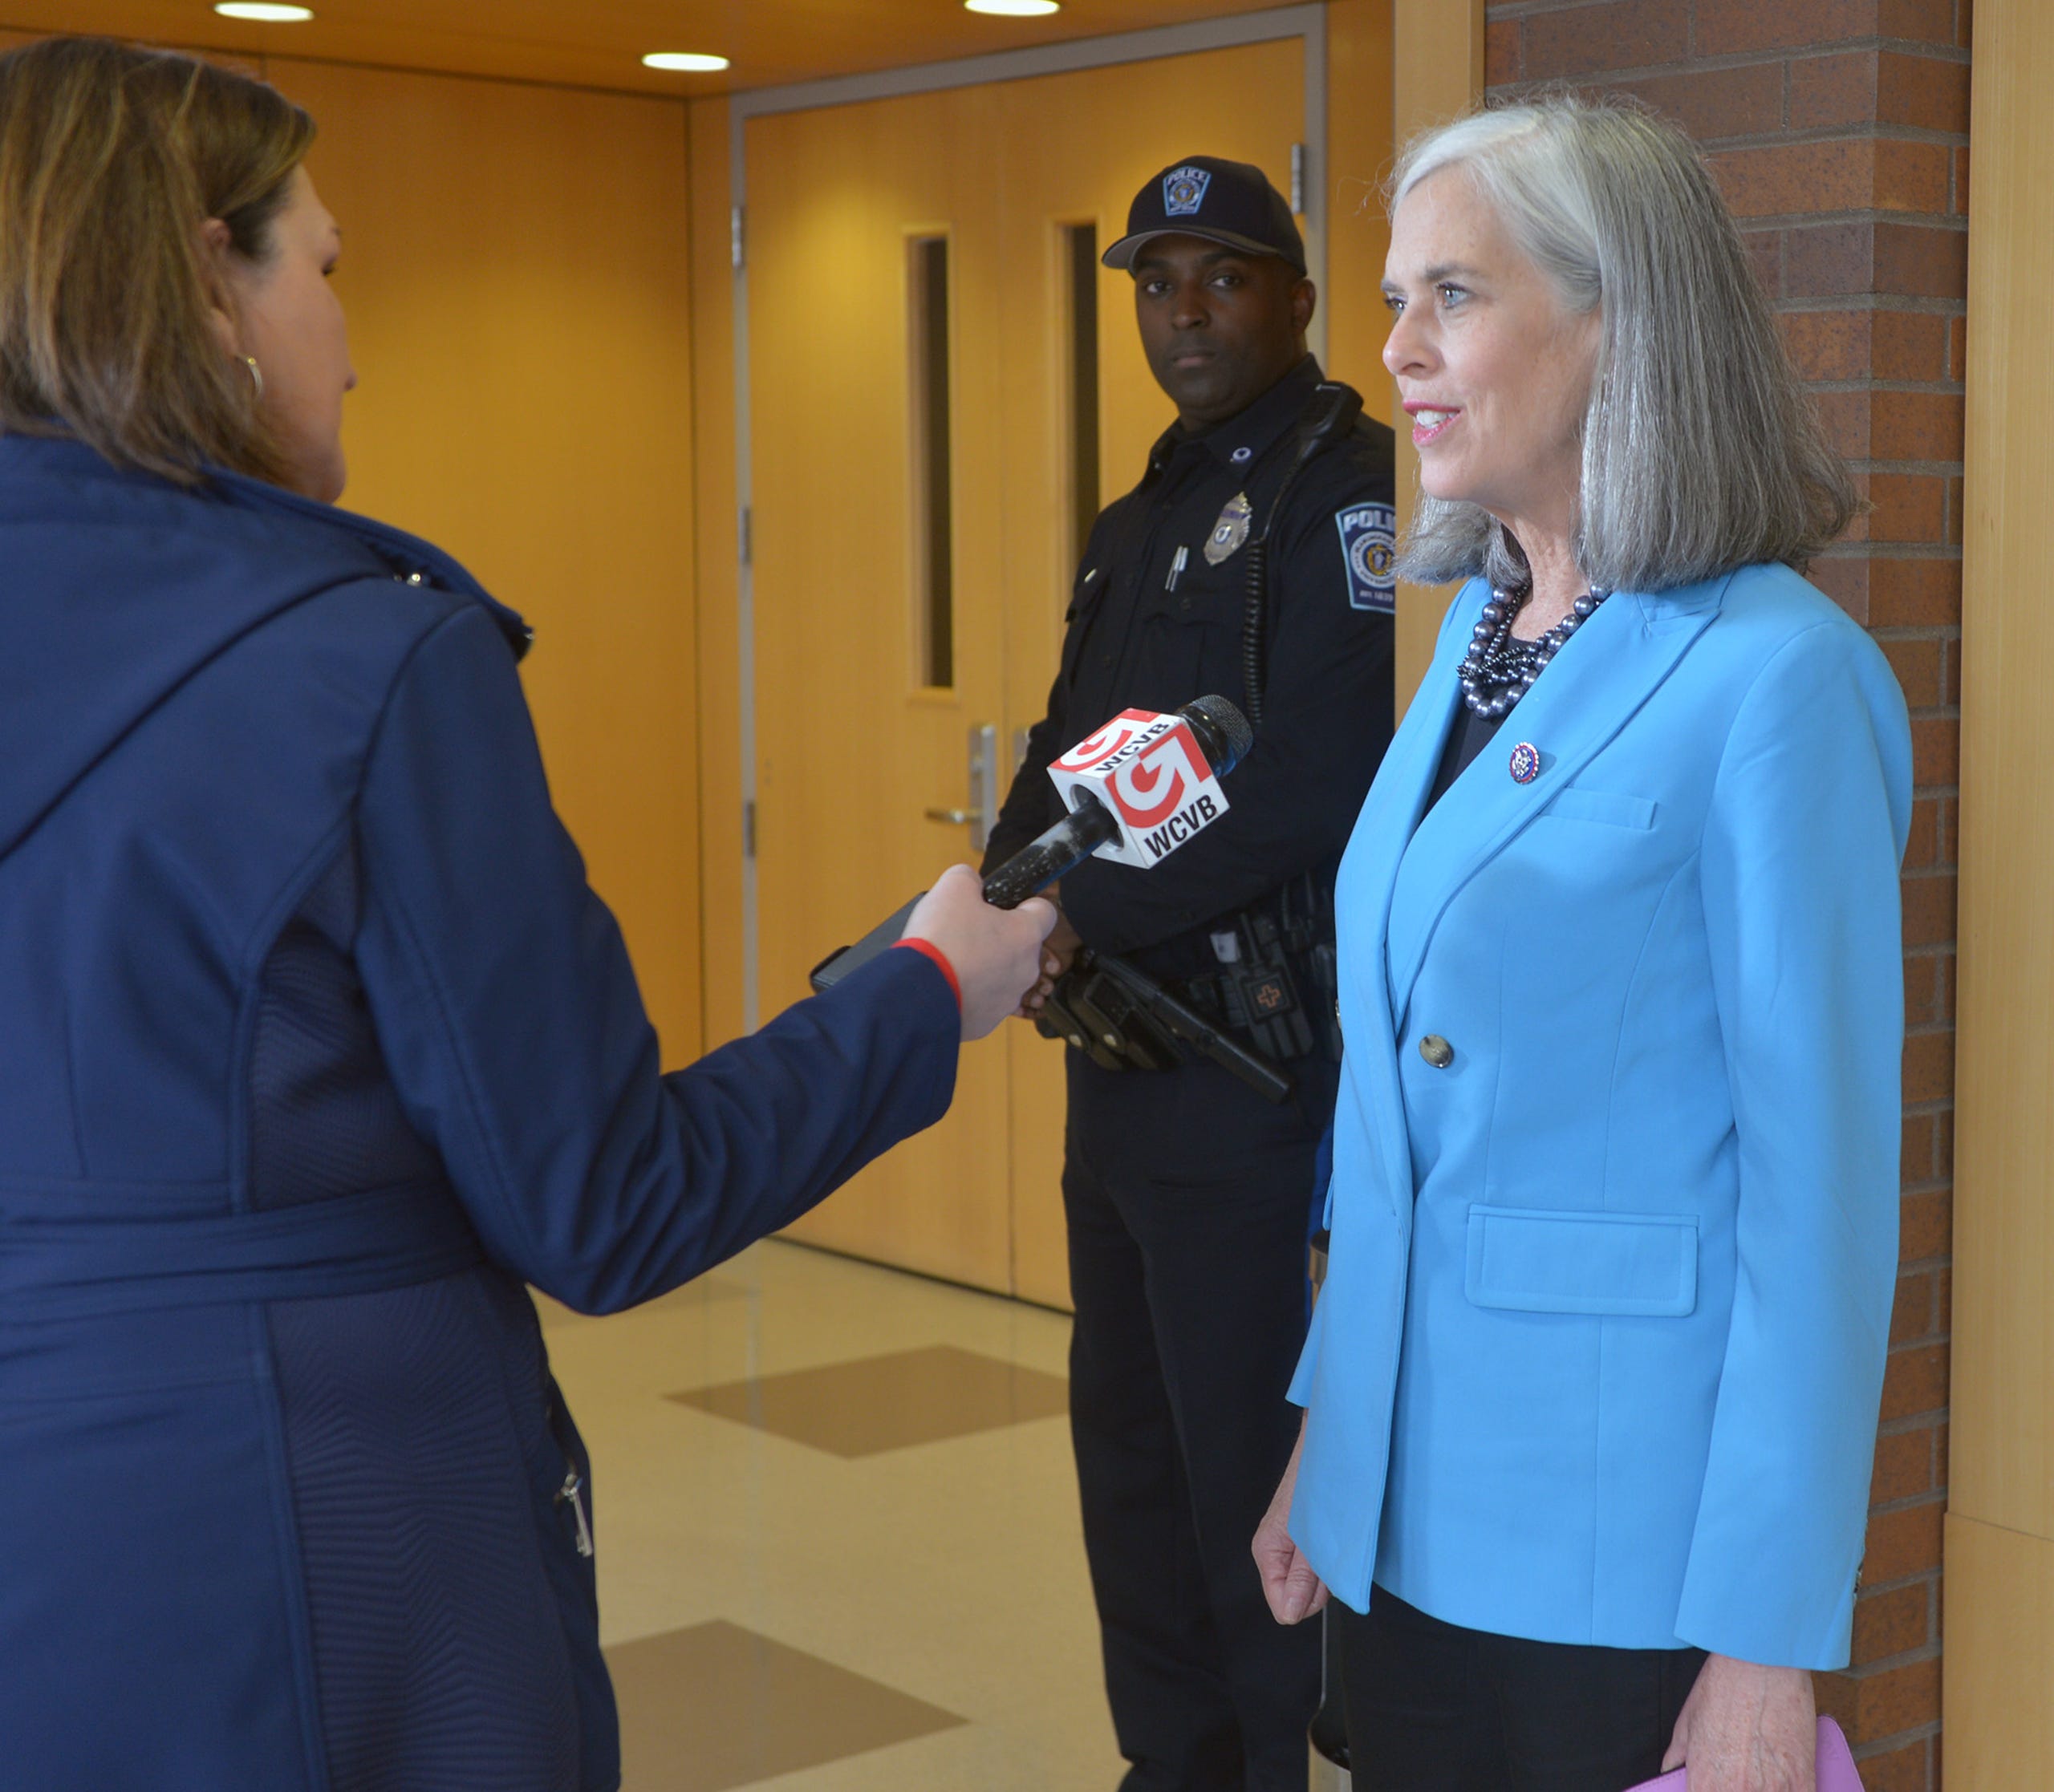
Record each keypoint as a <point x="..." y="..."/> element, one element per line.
<point x="1839" y="131"/>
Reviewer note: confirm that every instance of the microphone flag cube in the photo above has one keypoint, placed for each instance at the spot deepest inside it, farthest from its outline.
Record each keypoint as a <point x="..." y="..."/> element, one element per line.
<point x="1151" y="775"/>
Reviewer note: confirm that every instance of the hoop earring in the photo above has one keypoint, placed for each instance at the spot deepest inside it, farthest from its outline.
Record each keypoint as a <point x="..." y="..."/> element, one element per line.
<point x="256" y="373"/>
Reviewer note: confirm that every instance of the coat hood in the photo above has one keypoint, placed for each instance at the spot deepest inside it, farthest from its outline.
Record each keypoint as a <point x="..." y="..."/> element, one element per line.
<point x="116" y="586"/>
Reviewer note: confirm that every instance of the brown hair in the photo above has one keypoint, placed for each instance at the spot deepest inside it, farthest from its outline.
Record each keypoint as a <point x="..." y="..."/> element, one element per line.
<point x="110" y="160"/>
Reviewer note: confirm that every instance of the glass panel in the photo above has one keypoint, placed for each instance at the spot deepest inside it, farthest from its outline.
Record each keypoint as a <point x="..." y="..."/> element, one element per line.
<point x="1081" y="240"/>
<point x="934" y="593"/>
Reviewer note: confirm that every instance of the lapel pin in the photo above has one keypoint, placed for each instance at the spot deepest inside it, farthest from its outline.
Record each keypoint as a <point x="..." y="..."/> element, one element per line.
<point x="1525" y="763"/>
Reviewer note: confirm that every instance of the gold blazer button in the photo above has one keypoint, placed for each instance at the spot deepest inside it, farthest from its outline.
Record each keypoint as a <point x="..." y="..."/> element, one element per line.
<point x="1436" y="1050"/>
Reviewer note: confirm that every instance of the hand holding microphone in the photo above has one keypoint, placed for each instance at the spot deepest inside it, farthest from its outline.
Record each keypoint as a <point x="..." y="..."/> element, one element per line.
<point x="995" y="952"/>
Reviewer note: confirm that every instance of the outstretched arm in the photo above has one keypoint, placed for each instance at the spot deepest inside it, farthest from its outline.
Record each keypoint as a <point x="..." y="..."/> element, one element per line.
<point x="508" y="1013"/>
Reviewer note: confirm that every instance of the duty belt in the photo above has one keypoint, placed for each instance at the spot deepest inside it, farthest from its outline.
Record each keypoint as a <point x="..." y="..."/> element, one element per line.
<point x="1123" y="1019"/>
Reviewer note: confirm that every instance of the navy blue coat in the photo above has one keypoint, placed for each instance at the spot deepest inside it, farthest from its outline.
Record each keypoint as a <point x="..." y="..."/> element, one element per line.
<point x="313" y="1045"/>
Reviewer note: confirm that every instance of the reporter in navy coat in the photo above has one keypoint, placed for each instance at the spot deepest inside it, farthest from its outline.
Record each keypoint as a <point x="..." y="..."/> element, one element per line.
<point x="313" y="1043"/>
<point x="1592" y="1388"/>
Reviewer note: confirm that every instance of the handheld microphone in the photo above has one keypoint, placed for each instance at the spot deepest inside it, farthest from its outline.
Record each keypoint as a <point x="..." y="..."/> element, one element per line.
<point x="1137" y="789"/>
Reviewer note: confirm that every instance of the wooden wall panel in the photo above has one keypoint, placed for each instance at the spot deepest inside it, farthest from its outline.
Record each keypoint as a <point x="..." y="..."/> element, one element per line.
<point x="1437" y="73"/>
<point x="2004" y="1440"/>
<point x="1360" y="93"/>
<point x="2000" y="1582"/>
<point x="717" y="552"/>
<point x="516" y="277"/>
<point x="2000" y="1674"/>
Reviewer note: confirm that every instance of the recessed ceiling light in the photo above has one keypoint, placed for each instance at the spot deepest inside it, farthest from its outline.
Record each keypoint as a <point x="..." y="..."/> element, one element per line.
<point x="263" y="11"/>
<point x="1015" y="9"/>
<point x="683" y="62"/>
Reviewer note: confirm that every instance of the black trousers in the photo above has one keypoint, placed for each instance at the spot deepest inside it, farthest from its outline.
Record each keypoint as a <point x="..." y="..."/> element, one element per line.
<point x="1188" y="1199"/>
<point x="1434" y="1708"/>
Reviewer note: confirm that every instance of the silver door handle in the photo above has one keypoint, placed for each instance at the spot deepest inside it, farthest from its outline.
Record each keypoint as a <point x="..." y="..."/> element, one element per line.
<point x="983" y="790"/>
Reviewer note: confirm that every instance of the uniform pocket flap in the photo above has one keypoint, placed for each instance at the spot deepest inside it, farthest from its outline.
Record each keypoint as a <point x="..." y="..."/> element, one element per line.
<point x="1531" y="1262"/>
<point x="1211" y="599"/>
<point x="1573" y="803"/>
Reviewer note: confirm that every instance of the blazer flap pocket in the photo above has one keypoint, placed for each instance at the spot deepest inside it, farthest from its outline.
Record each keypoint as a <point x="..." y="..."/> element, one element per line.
<point x="1573" y="803"/>
<point x="1526" y="1261"/>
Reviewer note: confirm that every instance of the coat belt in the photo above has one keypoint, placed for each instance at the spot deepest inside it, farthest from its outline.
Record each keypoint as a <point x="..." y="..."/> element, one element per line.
<point x="358" y="1243"/>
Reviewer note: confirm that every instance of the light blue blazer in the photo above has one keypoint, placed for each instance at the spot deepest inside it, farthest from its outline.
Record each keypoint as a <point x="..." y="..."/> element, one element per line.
<point x="1600" y="1351"/>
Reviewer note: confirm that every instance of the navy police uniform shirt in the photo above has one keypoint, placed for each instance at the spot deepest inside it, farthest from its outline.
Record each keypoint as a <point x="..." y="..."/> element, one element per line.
<point x="1155" y="619"/>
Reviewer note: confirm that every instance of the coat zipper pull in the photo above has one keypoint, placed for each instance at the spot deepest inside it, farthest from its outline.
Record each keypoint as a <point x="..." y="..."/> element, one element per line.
<point x="1176" y="568"/>
<point x="573" y="1490"/>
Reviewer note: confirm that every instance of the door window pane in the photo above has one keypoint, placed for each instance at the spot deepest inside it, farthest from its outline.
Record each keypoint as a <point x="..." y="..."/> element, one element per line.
<point x="1081" y="240"/>
<point x="934" y="585"/>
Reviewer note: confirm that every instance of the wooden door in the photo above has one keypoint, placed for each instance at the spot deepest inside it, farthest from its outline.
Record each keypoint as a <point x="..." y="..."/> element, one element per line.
<point x="855" y="746"/>
<point x="1078" y="147"/>
<point x="859" y="733"/>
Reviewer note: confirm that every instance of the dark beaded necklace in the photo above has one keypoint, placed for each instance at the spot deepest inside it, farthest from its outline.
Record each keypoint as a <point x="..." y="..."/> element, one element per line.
<point x="1499" y="669"/>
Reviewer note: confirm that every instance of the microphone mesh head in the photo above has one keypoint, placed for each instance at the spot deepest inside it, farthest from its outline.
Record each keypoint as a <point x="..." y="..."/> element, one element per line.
<point x="1231" y="724"/>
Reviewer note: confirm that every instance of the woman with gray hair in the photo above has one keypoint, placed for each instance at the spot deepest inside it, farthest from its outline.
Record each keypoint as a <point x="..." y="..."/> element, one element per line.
<point x="1593" y="1385"/>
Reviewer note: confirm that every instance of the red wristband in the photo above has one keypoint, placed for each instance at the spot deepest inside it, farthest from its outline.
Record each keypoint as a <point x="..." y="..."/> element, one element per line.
<point x="927" y="948"/>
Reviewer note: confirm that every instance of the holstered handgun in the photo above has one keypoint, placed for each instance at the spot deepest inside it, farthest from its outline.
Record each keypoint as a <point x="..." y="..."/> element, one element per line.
<point x="1123" y="1019"/>
<point x="1092" y="1010"/>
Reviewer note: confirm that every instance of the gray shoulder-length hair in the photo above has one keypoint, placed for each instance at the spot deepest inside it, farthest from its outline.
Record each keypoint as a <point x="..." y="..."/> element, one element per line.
<point x="1701" y="452"/>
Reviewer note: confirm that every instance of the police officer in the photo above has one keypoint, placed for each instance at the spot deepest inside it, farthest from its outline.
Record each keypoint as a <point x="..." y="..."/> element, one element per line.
<point x="1187" y="1193"/>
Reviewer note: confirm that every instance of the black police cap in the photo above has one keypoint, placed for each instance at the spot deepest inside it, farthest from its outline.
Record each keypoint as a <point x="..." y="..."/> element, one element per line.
<point x="1223" y="202"/>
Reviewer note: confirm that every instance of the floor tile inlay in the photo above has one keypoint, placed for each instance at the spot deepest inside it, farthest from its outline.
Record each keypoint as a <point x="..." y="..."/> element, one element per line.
<point x="715" y="1705"/>
<point x="875" y="1404"/>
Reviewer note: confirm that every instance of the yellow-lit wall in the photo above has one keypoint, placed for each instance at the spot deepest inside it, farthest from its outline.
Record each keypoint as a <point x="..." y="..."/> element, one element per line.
<point x="719" y="684"/>
<point x="517" y="275"/>
<point x="1358" y="153"/>
<point x="1437" y="60"/>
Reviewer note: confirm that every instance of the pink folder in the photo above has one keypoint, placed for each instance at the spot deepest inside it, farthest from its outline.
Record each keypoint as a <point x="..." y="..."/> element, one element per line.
<point x="1836" y="1770"/>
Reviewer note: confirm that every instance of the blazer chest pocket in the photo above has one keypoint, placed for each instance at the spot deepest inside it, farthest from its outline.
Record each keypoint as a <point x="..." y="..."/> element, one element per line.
<point x="1573" y="803"/>
<point x="1524" y="1260"/>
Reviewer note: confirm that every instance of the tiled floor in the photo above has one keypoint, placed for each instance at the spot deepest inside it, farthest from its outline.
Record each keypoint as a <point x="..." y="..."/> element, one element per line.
<point x="838" y="1547"/>
<point x="779" y="1710"/>
<point x="889" y="1402"/>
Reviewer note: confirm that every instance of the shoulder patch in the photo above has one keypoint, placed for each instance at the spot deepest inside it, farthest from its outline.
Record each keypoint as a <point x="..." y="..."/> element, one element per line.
<point x="1369" y="543"/>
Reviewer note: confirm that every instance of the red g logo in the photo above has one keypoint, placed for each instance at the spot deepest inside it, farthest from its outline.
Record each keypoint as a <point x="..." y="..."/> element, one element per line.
<point x="1107" y="742"/>
<point x="1151" y="789"/>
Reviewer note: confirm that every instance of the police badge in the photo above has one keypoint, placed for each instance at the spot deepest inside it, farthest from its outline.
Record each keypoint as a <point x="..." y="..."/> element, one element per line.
<point x="1231" y="530"/>
<point x="1184" y="191"/>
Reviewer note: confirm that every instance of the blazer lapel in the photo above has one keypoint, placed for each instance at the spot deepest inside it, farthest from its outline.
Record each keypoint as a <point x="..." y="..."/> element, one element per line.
<point x="1390" y="813"/>
<point x="1607" y="669"/>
